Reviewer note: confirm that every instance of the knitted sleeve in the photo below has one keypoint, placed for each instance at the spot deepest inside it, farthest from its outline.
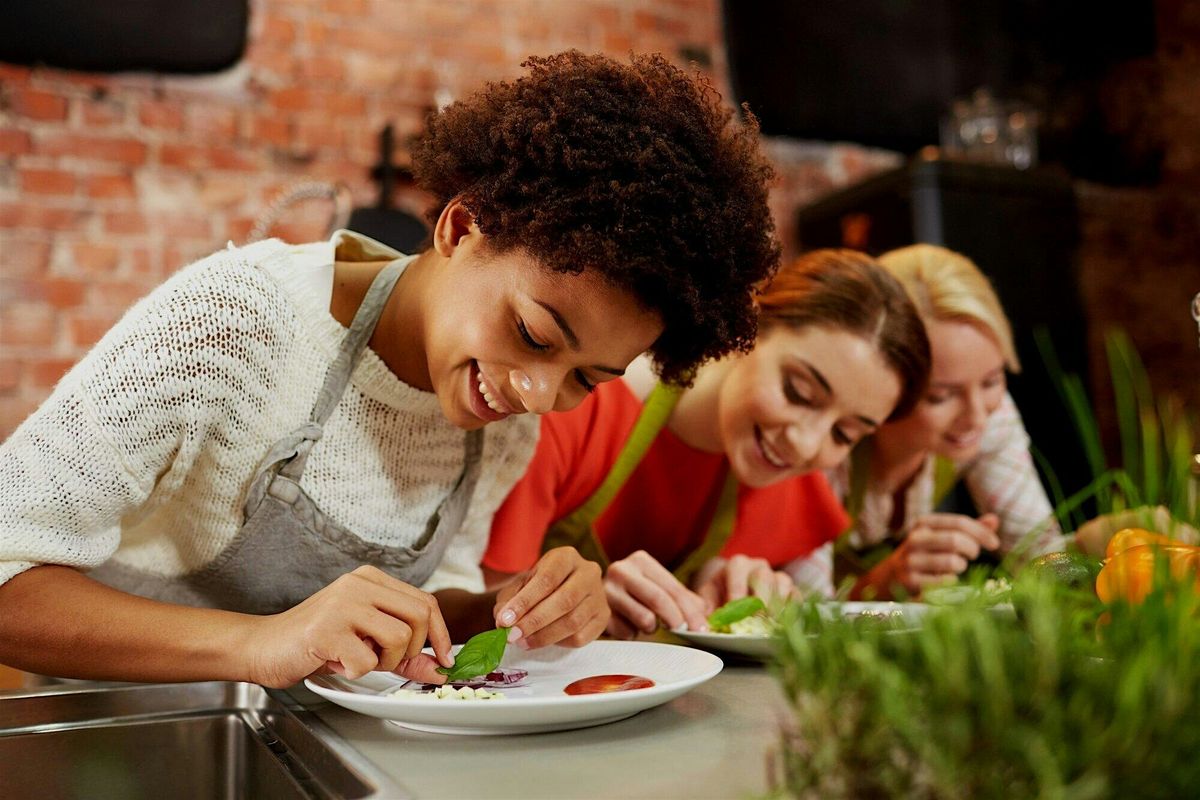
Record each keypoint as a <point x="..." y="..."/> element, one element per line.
<point x="1002" y="479"/>
<point x="131" y="419"/>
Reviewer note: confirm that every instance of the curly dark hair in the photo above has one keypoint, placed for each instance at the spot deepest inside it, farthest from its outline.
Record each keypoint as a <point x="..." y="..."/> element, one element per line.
<point x="635" y="171"/>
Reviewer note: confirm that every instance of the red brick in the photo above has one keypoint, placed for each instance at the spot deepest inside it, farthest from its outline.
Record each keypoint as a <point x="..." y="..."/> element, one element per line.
<point x="99" y="113"/>
<point x="191" y="226"/>
<point x="97" y="148"/>
<point x="37" y="104"/>
<point x="10" y="375"/>
<point x="212" y="123"/>
<point x="14" y="410"/>
<point x="316" y="32"/>
<point x="128" y="222"/>
<point x="27" y="325"/>
<point x="14" y="142"/>
<point x="346" y="8"/>
<point x="274" y="66"/>
<point x="95" y="258"/>
<point x="318" y="68"/>
<point x="54" y="292"/>
<point x="47" y="181"/>
<point x="109" y="186"/>
<point x="141" y="262"/>
<point x="14" y="74"/>
<point x="118" y="294"/>
<point x="272" y="130"/>
<point x="88" y="327"/>
<point x="38" y="217"/>
<point x="277" y="30"/>
<point x="319" y="134"/>
<point x="160" y="115"/>
<point x="23" y="256"/>
<point x="46" y="372"/>
<point x="192" y="157"/>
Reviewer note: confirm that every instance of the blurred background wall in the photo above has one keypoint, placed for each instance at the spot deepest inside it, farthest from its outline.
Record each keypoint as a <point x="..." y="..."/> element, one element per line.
<point x="109" y="183"/>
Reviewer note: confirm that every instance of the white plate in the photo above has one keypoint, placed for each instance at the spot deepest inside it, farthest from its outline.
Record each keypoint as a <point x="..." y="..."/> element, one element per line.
<point x="540" y="704"/>
<point x="743" y="644"/>
<point x="906" y="615"/>
<point x="900" y="614"/>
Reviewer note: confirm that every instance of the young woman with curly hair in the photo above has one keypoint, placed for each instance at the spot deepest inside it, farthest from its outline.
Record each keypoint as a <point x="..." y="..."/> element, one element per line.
<point x="277" y="462"/>
<point x="691" y="498"/>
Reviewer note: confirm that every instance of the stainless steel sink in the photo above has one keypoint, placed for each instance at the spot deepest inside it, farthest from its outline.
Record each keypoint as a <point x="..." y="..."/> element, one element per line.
<point x="224" y="741"/>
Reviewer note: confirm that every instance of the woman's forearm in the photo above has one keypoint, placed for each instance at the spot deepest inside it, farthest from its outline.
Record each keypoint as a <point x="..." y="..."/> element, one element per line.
<point x="56" y="621"/>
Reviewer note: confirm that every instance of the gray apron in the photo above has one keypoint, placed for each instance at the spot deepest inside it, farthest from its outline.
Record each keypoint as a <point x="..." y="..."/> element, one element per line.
<point x="287" y="549"/>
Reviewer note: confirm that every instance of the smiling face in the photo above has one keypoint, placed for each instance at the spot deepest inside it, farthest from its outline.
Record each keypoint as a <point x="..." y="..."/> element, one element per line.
<point x="800" y="401"/>
<point x="504" y="336"/>
<point x="966" y="385"/>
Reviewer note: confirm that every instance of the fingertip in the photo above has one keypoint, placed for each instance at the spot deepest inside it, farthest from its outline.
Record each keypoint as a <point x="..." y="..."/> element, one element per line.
<point x="506" y="618"/>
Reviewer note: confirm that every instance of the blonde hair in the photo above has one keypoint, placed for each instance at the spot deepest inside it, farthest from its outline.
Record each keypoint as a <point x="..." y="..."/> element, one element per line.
<point x="945" y="285"/>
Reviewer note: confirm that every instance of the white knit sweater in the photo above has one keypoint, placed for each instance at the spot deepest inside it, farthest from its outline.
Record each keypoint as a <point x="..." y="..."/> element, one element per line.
<point x="146" y="448"/>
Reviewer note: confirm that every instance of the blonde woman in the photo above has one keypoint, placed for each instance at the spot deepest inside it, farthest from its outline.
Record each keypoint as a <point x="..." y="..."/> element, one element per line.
<point x="965" y="429"/>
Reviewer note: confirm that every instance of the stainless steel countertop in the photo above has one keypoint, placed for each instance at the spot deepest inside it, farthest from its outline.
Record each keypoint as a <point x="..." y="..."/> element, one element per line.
<point x="710" y="743"/>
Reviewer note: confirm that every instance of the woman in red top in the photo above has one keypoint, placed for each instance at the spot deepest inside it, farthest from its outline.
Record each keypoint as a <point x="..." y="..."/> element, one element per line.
<point x="691" y="497"/>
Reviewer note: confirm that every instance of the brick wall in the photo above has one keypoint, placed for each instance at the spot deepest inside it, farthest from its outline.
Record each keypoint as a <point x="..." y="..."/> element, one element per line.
<point x="110" y="183"/>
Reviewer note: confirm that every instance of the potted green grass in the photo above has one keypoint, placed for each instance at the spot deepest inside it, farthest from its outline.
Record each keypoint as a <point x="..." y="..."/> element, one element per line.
<point x="1065" y="698"/>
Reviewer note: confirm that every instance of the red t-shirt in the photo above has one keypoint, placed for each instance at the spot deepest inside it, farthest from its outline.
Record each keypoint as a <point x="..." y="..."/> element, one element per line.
<point x="668" y="502"/>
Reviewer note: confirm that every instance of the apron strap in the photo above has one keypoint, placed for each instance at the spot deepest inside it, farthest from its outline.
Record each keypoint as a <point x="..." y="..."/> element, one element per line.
<point x="945" y="476"/>
<point x="655" y="413"/>
<point x="576" y="529"/>
<point x="719" y="531"/>
<point x="337" y="376"/>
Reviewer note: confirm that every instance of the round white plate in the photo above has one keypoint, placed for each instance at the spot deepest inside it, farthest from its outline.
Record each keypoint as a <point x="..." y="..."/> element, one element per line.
<point x="905" y="615"/>
<point x="540" y="704"/>
<point x="900" y="614"/>
<point x="749" y="645"/>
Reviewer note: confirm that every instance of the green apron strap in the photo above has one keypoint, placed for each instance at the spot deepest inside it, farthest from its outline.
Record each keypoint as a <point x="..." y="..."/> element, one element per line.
<point x="847" y="560"/>
<point x="719" y="531"/>
<point x="575" y="529"/>
<point x="860" y="474"/>
<point x="945" y="475"/>
<point x="655" y="413"/>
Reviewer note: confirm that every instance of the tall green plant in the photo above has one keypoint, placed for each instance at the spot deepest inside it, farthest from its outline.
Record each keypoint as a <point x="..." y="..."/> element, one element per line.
<point x="1157" y="441"/>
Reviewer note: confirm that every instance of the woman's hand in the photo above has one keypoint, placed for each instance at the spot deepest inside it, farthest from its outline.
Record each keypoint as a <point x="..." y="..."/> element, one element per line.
<point x="559" y="601"/>
<point x="938" y="547"/>
<point x="721" y="580"/>
<point x="365" y="620"/>
<point x="642" y="591"/>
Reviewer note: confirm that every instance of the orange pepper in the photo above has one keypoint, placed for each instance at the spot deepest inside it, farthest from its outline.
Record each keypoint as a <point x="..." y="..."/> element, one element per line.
<point x="1126" y="538"/>
<point x="1130" y="573"/>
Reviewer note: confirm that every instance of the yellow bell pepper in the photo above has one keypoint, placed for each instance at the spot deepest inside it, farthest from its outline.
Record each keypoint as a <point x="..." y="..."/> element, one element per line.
<point x="1126" y="538"/>
<point x="1130" y="573"/>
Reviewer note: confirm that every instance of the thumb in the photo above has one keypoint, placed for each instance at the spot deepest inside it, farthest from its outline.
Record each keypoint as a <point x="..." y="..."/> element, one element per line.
<point x="991" y="520"/>
<point x="421" y="668"/>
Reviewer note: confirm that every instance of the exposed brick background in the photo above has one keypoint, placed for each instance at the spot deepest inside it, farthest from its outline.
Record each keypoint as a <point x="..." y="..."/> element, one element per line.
<point x="110" y="183"/>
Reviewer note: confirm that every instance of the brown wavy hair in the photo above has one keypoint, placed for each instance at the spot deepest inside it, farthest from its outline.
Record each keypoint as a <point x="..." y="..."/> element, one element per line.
<point x="632" y="170"/>
<point x="849" y="291"/>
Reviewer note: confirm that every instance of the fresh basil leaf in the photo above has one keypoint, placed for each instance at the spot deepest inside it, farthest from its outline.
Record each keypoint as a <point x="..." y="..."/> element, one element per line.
<point x="734" y="611"/>
<point x="479" y="656"/>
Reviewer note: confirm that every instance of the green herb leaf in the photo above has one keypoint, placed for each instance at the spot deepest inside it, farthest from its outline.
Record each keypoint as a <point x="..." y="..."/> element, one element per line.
<point x="734" y="611"/>
<point x="479" y="656"/>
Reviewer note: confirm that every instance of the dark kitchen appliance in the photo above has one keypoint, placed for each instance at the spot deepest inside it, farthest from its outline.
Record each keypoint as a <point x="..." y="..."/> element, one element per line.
<point x="1021" y="228"/>
<point x="382" y="222"/>
<point x="183" y="36"/>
